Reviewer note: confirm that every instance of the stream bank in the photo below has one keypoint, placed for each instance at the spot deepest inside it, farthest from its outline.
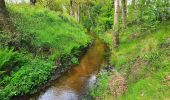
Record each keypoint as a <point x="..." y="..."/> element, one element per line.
<point x="63" y="65"/>
<point x="73" y="80"/>
<point x="74" y="83"/>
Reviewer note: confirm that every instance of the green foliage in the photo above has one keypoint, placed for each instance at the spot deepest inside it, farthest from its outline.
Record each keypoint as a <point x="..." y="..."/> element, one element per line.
<point x="74" y="60"/>
<point x="40" y="37"/>
<point x="149" y="12"/>
<point x="54" y="5"/>
<point x="157" y="67"/>
<point x="143" y="57"/>
<point x="10" y="60"/>
<point x="147" y="88"/>
<point x="101" y="85"/>
<point x="28" y="77"/>
<point x="50" y="30"/>
<point x="155" y="85"/>
<point x="5" y="56"/>
<point x="107" y="38"/>
<point x="98" y="16"/>
<point x="49" y="36"/>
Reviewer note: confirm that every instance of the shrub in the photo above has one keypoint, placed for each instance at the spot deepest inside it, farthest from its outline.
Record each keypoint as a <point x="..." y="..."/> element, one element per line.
<point x="27" y="78"/>
<point x="5" y="57"/>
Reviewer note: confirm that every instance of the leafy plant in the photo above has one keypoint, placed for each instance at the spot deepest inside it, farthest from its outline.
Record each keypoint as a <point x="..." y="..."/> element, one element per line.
<point x="5" y="57"/>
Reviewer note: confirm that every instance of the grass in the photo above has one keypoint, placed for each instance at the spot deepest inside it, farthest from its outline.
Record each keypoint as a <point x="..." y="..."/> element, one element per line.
<point x="51" y="29"/>
<point x="143" y="59"/>
<point x="40" y="38"/>
<point x="157" y="58"/>
<point x="101" y="85"/>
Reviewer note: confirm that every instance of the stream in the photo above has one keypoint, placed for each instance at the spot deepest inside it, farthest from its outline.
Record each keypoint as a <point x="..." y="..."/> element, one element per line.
<point x="74" y="84"/>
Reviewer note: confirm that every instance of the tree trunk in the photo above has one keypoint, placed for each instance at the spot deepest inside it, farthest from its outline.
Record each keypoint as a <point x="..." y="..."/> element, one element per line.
<point x="133" y="9"/>
<point x="75" y="15"/>
<point x="33" y="2"/>
<point x="71" y="8"/>
<point x="116" y="23"/>
<point x="124" y="10"/>
<point x="2" y="6"/>
<point x="78" y="13"/>
<point x="116" y="13"/>
<point x="90" y="18"/>
<point x="2" y="13"/>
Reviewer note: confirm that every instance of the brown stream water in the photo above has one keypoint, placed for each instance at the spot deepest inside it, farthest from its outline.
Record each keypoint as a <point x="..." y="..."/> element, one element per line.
<point x="75" y="83"/>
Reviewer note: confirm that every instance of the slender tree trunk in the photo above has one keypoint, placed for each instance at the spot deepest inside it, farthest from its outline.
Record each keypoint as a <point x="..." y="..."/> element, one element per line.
<point x="90" y="18"/>
<point x="2" y="13"/>
<point x="116" y="23"/>
<point x="116" y="13"/>
<point x="133" y="10"/>
<point x="2" y="6"/>
<point x="75" y="15"/>
<point x="124" y="11"/>
<point x="32" y="2"/>
<point x="78" y="13"/>
<point x="71" y="8"/>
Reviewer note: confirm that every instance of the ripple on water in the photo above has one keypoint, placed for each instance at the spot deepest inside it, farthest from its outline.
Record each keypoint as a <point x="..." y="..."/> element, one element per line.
<point x="59" y="94"/>
<point x="74" y="84"/>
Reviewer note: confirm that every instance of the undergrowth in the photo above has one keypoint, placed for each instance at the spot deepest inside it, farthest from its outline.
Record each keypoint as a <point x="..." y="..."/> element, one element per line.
<point x="101" y="85"/>
<point x="143" y="59"/>
<point x="41" y="40"/>
<point x="45" y="30"/>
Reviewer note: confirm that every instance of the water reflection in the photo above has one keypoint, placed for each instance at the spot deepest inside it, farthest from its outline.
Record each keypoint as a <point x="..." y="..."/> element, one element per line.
<point x="74" y="83"/>
<point x="59" y="94"/>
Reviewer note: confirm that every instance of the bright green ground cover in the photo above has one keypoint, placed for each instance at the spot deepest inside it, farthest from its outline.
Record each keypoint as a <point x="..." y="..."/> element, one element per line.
<point x="35" y="30"/>
<point x="144" y="59"/>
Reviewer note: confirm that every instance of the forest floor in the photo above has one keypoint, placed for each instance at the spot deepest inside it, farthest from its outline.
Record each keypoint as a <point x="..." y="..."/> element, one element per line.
<point x="142" y="62"/>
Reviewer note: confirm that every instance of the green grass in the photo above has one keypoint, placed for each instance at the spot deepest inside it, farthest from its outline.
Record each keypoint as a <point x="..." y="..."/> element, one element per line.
<point x="51" y="29"/>
<point x="101" y="85"/>
<point x="149" y="85"/>
<point x="143" y="58"/>
<point x="139" y="46"/>
<point x="35" y="30"/>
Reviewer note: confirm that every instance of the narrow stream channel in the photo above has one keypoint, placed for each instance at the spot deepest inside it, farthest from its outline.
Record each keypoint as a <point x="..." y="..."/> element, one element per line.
<point x="75" y="83"/>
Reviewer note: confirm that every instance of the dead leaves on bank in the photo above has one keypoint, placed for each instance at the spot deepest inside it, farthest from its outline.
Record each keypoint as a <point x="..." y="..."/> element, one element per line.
<point x="118" y="85"/>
